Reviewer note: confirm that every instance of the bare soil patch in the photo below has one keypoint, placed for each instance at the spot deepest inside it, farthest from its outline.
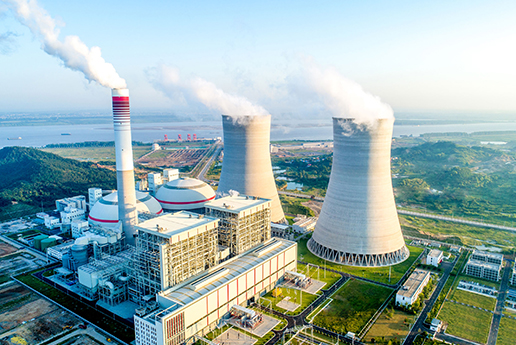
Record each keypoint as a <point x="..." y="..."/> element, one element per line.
<point x="6" y="249"/>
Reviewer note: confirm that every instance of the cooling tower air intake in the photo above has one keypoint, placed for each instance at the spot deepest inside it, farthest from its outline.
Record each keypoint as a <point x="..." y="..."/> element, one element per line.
<point x="359" y="224"/>
<point x="246" y="166"/>
<point x="124" y="164"/>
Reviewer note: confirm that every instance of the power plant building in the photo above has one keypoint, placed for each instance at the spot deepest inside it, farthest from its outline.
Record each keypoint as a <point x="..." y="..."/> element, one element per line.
<point x="359" y="224"/>
<point x="196" y="306"/>
<point x="245" y="221"/>
<point x="173" y="248"/>
<point x="246" y="167"/>
<point x="185" y="194"/>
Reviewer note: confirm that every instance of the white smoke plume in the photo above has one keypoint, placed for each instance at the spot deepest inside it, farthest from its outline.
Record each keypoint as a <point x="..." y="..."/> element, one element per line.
<point x="339" y="95"/>
<point x="74" y="53"/>
<point x="197" y="90"/>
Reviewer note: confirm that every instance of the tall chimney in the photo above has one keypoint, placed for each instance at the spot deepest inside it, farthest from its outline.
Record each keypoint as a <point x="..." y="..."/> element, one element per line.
<point x="358" y="224"/>
<point x="246" y="167"/>
<point x="124" y="164"/>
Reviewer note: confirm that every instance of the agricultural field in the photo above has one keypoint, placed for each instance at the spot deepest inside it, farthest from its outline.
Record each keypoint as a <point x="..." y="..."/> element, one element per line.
<point x="352" y="306"/>
<point x="466" y="322"/>
<point x="393" y="324"/>
<point x="379" y="274"/>
<point x="506" y="332"/>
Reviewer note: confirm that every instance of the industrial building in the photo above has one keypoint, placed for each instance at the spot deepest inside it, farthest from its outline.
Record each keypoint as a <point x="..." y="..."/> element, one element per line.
<point x="411" y="289"/>
<point x="489" y="257"/>
<point x="477" y="288"/>
<point x="246" y="167"/>
<point x="358" y="224"/>
<point x="483" y="269"/>
<point x="245" y="221"/>
<point x="282" y="230"/>
<point x="434" y="257"/>
<point x="94" y="194"/>
<point x="171" y="249"/>
<point x="185" y="194"/>
<point x="304" y="225"/>
<point x="513" y="276"/>
<point x="197" y="306"/>
<point x="78" y="202"/>
<point x="105" y="211"/>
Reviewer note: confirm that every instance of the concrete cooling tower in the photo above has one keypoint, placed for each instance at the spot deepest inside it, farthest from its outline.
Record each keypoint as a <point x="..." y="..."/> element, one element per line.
<point x="124" y="164"/>
<point x="359" y="224"/>
<point x="247" y="167"/>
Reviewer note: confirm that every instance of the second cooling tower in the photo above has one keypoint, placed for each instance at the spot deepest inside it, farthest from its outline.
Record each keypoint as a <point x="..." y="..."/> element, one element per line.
<point x="247" y="164"/>
<point x="359" y="224"/>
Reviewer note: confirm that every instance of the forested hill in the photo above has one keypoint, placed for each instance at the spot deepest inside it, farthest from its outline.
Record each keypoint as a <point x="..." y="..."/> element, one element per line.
<point x="32" y="176"/>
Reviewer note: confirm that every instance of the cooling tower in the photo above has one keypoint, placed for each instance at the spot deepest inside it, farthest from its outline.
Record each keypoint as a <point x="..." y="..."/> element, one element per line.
<point x="124" y="164"/>
<point x="247" y="167"/>
<point x="359" y="224"/>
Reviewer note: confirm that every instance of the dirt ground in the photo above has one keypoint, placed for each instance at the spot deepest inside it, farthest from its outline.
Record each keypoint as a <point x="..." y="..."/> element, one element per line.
<point x="6" y="249"/>
<point x="82" y="339"/>
<point x="176" y="158"/>
<point x="314" y="206"/>
<point x="32" y="319"/>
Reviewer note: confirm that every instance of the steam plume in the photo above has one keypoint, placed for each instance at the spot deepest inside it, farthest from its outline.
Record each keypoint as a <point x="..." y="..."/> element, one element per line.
<point x="341" y="96"/>
<point x="74" y="53"/>
<point x="198" y="90"/>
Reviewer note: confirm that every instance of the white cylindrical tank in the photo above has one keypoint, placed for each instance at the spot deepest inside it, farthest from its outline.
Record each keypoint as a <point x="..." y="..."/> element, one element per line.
<point x="359" y="224"/>
<point x="79" y="253"/>
<point x="184" y="194"/>
<point x="246" y="167"/>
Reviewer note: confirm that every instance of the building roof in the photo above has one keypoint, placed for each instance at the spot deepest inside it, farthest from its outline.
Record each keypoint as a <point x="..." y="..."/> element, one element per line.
<point x="413" y="283"/>
<point x="178" y="226"/>
<point x="488" y="254"/>
<point x="184" y="194"/>
<point x="207" y="281"/>
<point x="105" y="210"/>
<point x="484" y="264"/>
<point x="239" y="204"/>
<point x="435" y="253"/>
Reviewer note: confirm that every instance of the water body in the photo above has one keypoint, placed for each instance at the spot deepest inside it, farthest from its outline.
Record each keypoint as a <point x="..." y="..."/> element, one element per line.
<point x="38" y="136"/>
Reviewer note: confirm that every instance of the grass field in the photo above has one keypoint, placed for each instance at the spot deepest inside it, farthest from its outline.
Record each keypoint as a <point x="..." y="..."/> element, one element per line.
<point x="392" y="324"/>
<point x="352" y="306"/>
<point x="473" y="299"/>
<point x="324" y="276"/>
<point x="95" y="154"/>
<point x="506" y="332"/>
<point x="466" y="322"/>
<point x="379" y="274"/>
<point x="295" y="296"/>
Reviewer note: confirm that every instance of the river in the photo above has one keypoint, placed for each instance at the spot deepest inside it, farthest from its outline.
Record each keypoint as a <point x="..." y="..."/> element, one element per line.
<point x="37" y="136"/>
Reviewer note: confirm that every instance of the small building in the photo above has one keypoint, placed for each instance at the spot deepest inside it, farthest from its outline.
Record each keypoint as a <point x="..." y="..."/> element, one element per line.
<point x="79" y="226"/>
<point x="513" y="276"/>
<point x="436" y="325"/>
<point x="155" y="181"/>
<point x="483" y="269"/>
<point x="52" y="222"/>
<point x="282" y="230"/>
<point x="71" y="213"/>
<point x="434" y="257"/>
<point x="78" y="201"/>
<point x="410" y="291"/>
<point x="510" y="300"/>
<point x="170" y="175"/>
<point x="305" y="225"/>
<point x="477" y="288"/>
<point x="489" y="257"/>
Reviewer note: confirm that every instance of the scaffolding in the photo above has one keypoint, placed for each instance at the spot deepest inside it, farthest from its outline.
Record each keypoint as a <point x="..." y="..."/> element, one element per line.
<point x="160" y="264"/>
<point x="242" y="233"/>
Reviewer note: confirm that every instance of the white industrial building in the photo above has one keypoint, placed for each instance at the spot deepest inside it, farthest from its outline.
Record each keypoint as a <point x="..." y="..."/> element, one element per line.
<point x="282" y="230"/>
<point x="411" y="289"/>
<point x="489" y="257"/>
<point x="513" y="276"/>
<point x="170" y="175"/>
<point x="78" y="201"/>
<point x="483" y="269"/>
<point x="245" y="221"/>
<point x="71" y="213"/>
<point x="155" y="181"/>
<point x="78" y="226"/>
<point x="305" y="225"/>
<point x="94" y="194"/>
<point x="434" y="257"/>
<point x="105" y="211"/>
<point x="185" y="194"/>
<point x="52" y="222"/>
<point x="196" y="306"/>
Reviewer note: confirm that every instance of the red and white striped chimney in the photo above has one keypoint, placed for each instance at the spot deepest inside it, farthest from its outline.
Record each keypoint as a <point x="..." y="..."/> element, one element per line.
<point x="124" y="164"/>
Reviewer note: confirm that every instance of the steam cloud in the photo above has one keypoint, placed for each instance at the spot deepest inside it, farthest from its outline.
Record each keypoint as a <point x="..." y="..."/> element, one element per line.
<point x="74" y="53"/>
<point x="198" y="90"/>
<point x="341" y="96"/>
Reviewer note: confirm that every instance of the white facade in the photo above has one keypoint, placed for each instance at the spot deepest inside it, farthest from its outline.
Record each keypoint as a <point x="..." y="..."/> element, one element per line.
<point x="410" y="291"/>
<point x="51" y="222"/>
<point x="155" y="181"/>
<point x="78" y="201"/>
<point x="94" y="194"/>
<point x="170" y="174"/>
<point x="434" y="257"/>
<point x="305" y="225"/>
<point x="78" y="227"/>
<point x="71" y="213"/>
<point x="197" y="305"/>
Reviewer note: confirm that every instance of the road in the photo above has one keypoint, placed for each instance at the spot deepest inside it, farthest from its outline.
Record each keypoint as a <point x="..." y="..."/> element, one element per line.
<point x="207" y="165"/>
<point x="500" y="300"/>
<point x="418" y="325"/>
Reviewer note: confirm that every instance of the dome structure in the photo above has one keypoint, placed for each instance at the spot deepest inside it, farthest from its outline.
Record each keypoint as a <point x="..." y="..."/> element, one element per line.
<point x="184" y="194"/>
<point x="105" y="211"/>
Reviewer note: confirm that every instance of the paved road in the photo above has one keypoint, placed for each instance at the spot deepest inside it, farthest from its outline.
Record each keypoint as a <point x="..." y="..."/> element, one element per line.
<point x="214" y="155"/>
<point x="502" y="293"/>
<point x="418" y="325"/>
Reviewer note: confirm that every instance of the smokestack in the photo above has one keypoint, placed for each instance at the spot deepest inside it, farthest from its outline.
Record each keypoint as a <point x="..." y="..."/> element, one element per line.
<point x="247" y="164"/>
<point x="359" y="224"/>
<point x="124" y="164"/>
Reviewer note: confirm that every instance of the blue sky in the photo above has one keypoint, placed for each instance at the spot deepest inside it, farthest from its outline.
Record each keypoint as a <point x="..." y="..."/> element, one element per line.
<point x="415" y="55"/>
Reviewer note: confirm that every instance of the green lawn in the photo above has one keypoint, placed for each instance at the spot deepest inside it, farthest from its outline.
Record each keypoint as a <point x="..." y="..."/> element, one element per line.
<point x="466" y="322"/>
<point x="322" y="275"/>
<point x="473" y="299"/>
<point x="392" y="324"/>
<point x="352" y="306"/>
<point x="379" y="274"/>
<point x="506" y="332"/>
<point x="305" y="299"/>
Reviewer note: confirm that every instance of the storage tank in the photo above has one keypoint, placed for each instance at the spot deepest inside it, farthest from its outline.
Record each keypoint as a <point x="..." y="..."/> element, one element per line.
<point x="79" y="253"/>
<point x="66" y="261"/>
<point x="47" y="242"/>
<point x="37" y="241"/>
<point x="246" y="167"/>
<point x="359" y="224"/>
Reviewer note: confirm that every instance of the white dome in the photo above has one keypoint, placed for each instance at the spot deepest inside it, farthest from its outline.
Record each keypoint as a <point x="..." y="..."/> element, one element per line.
<point x="184" y="194"/>
<point x="105" y="211"/>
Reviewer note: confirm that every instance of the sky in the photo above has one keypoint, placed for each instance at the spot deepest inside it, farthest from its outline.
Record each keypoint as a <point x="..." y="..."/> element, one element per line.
<point x="417" y="56"/>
